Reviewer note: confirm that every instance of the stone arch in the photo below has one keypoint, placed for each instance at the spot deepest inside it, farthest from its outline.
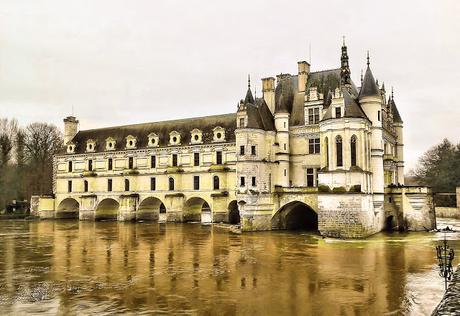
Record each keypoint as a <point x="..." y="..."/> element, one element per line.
<point x="295" y="215"/>
<point x="389" y="223"/>
<point x="68" y="208"/>
<point x="197" y="209"/>
<point x="233" y="213"/>
<point x="150" y="208"/>
<point x="107" y="209"/>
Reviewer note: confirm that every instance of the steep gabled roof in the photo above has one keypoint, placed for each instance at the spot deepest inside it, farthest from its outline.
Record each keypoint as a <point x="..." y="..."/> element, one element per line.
<point x="352" y="107"/>
<point x="259" y="116"/>
<point x="394" y="109"/>
<point x="369" y="87"/>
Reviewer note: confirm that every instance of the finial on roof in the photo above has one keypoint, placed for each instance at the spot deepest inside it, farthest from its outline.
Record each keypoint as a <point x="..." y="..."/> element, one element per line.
<point x="368" y="59"/>
<point x="255" y="92"/>
<point x="383" y="85"/>
<point x="343" y="40"/>
<point x="377" y="82"/>
<point x="392" y="93"/>
<point x="361" y="77"/>
<point x="249" y="81"/>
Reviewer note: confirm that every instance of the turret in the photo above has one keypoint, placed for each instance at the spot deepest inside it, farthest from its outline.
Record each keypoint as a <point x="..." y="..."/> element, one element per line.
<point x="398" y="125"/>
<point x="70" y="128"/>
<point x="371" y="102"/>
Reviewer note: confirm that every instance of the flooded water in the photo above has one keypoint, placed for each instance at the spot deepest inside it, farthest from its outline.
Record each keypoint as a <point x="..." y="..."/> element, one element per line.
<point x="71" y="267"/>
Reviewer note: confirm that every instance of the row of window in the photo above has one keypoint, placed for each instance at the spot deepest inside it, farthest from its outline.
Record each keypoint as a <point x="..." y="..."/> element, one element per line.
<point x="153" y="161"/>
<point x="243" y="150"/>
<point x="243" y="181"/>
<point x="339" y="151"/>
<point x="153" y="184"/>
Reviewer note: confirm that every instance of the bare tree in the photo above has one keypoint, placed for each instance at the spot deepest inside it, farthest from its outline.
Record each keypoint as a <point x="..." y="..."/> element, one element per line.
<point x="41" y="142"/>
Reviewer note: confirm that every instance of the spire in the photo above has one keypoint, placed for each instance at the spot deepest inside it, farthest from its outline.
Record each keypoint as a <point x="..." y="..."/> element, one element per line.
<point x="368" y="59"/>
<point x="369" y="86"/>
<point x="344" y="68"/>
<point x="249" y="98"/>
<point x="383" y="86"/>
<point x="392" y="94"/>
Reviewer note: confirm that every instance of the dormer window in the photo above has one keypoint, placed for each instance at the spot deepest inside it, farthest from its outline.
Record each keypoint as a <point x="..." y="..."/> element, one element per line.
<point x="70" y="148"/>
<point x="174" y="138"/>
<point x="90" y="145"/>
<point x="131" y="142"/>
<point x="153" y="140"/>
<point x="219" y="134"/>
<point x="110" y="144"/>
<point x="338" y="112"/>
<point x="196" y="136"/>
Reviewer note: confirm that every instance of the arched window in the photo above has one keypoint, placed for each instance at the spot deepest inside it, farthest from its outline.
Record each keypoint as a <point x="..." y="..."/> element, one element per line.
<point x="126" y="185"/>
<point x="85" y="185"/>
<point x="353" y="150"/>
<point x="216" y="183"/>
<point x="171" y="184"/>
<point x="326" y="144"/>
<point x="338" y="145"/>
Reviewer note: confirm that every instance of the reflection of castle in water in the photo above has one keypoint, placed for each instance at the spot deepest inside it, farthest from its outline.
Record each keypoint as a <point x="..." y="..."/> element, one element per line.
<point x="175" y="267"/>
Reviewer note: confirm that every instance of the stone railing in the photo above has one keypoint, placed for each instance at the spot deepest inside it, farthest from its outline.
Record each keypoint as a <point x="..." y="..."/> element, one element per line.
<point x="450" y="303"/>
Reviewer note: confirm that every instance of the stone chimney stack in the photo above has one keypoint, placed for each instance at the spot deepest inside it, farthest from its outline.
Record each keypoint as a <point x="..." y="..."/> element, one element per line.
<point x="304" y="70"/>
<point x="268" y="91"/>
<point x="70" y="128"/>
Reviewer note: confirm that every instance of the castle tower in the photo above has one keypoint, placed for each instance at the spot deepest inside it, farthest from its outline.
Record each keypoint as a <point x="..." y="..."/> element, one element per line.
<point x="398" y="124"/>
<point x="70" y="128"/>
<point x="371" y="103"/>
<point x="284" y="96"/>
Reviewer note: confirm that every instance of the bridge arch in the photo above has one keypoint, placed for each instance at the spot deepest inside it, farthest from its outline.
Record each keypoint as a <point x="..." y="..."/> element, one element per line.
<point x="233" y="212"/>
<point x="150" y="209"/>
<point x="295" y="215"/>
<point x="197" y="209"/>
<point x="107" y="209"/>
<point x="68" y="208"/>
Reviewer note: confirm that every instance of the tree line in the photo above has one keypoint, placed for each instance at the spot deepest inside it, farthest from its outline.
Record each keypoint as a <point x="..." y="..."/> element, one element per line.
<point x="439" y="167"/>
<point x="26" y="159"/>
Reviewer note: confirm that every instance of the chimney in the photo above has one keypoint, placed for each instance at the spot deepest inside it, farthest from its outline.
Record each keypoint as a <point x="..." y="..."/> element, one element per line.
<point x="304" y="70"/>
<point x="268" y="91"/>
<point x="70" y="128"/>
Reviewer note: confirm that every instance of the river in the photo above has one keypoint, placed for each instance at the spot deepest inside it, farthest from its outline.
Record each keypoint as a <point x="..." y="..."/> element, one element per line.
<point x="72" y="267"/>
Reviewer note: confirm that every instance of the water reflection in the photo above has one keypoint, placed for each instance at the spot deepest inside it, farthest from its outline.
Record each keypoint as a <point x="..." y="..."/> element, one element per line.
<point x="67" y="267"/>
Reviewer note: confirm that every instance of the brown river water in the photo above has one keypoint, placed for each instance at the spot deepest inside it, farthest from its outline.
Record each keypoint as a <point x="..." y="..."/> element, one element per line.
<point x="105" y="268"/>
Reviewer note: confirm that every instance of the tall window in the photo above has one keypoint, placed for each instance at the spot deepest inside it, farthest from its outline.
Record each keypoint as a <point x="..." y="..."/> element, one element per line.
<point x="109" y="185"/>
<point x="253" y="150"/>
<point x="90" y="165"/>
<point x="171" y="184"/>
<point x="253" y="181"/>
<point x="153" y="161"/>
<point x="70" y="166"/>
<point x="196" y="159"/>
<point x="126" y="185"/>
<point x="216" y="184"/>
<point x="174" y="160"/>
<point x="313" y="146"/>
<point x="326" y="145"/>
<point x="153" y="184"/>
<point x="218" y="157"/>
<point x="130" y="163"/>
<point x="242" y="150"/>
<point x="241" y="122"/>
<point x="338" y="146"/>
<point x="110" y="164"/>
<point x="378" y="115"/>
<point x="353" y="150"/>
<point x="85" y="186"/>
<point x="338" y="112"/>
<point x="310" y="177"/>
<point x="196" y="182"/>
<point x="69" y="186"/>
<point x="313" y="116"/>
<point x="242" y="181"/>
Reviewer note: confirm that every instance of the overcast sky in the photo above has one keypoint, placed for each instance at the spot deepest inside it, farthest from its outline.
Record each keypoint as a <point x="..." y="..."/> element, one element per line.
<point x="124" y="61"/>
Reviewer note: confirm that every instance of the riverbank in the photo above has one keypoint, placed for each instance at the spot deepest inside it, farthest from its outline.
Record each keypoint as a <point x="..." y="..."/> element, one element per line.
<point x="450" y="303"/>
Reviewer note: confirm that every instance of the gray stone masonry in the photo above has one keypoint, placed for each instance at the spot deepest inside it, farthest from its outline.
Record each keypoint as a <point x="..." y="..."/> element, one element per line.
<point x="450" y="303"/>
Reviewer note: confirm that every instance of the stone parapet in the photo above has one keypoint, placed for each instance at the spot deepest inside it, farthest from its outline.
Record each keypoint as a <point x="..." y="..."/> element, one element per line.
<point x="450" y="303"/>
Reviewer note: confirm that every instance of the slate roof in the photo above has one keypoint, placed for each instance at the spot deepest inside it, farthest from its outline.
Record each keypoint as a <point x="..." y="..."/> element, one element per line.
<point x="394" y="109"/>
<point x="259" y="115"/>
<point x="352" y="107"/>
<point x="162" y="129"/>
<point x="369" y="87"/>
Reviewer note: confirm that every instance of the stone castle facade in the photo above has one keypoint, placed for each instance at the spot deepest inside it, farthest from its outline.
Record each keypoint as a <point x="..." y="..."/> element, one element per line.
<point x="315" y="152"/>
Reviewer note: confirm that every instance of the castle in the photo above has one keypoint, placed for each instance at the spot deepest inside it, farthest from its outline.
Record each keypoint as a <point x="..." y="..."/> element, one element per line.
<point x="314" y="152"/>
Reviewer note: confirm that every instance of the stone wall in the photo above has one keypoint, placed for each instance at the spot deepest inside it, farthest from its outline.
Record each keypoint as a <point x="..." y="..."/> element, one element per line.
<point x="347" y="215"/>
<point x="449" y="212"/>
<point x="450" y="303"/>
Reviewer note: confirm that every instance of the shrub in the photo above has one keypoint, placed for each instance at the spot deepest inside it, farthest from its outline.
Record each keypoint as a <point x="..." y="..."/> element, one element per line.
<point x="324" y="188"/>
<point x="339" y="190"/>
